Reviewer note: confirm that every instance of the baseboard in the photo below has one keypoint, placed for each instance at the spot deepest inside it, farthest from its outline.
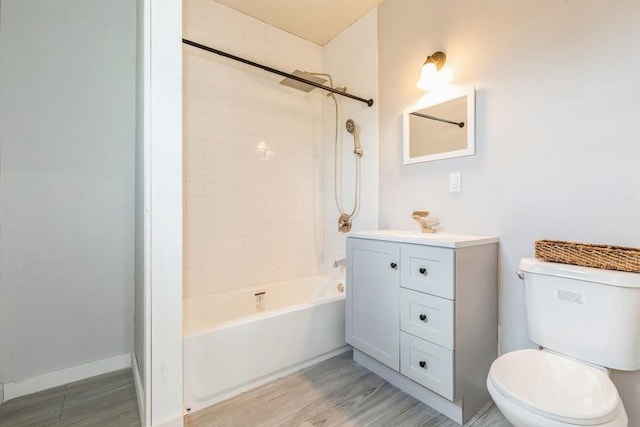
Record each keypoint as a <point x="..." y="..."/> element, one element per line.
<point x="177" y="421"/>
<point x="65" y="376"/>
<point x="139" y="389"/>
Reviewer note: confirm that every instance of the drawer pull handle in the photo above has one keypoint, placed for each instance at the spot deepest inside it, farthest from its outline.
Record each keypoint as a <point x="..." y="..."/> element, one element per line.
<point x="394" y="265"/>
<point x="422" y="364"/>
<point x="423" y="271"/>
<point x="423" y="317"/>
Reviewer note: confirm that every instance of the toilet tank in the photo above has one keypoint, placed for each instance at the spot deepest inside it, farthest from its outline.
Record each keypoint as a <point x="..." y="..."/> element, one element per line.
<point x="586" y="313"/>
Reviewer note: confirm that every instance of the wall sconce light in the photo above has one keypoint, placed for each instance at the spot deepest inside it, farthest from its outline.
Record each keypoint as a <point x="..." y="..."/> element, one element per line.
<point x="434" y="73"/>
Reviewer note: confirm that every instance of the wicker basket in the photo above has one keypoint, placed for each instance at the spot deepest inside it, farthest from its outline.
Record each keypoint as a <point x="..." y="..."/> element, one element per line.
<point x="586" y="255"/>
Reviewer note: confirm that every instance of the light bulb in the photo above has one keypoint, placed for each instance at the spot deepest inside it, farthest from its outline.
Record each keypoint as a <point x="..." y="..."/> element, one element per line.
<point x="428" y="76"/>
<point x="431" y="78"/>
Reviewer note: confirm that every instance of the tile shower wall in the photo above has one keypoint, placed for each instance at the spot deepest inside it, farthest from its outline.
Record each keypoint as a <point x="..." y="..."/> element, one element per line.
<point x="352" y="60"/>
<point x="253" y="155"/>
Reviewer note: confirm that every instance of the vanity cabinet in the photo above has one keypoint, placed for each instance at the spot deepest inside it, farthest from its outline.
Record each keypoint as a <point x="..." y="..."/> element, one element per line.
<point x="422" y="313"/>
<point x="373" y="325"/>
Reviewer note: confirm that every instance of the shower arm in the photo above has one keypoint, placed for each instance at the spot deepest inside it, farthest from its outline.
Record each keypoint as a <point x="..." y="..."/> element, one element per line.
<point x="327" y="75"/>
<point x="369" y="102"/>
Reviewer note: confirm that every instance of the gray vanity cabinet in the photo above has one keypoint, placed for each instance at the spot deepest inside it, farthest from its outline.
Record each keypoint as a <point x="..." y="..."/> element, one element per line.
<point x="372" y="322"/>
<point x="422" y="313"/>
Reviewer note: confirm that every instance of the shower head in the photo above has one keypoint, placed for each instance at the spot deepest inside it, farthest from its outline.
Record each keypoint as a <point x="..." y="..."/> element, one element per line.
<point x="351" y="126"/>
<point x="300" y="85"/>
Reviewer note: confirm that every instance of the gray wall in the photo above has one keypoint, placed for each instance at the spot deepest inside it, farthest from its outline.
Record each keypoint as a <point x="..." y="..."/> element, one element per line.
<point x="67" y="129"/>
<point x="557" y="112"/>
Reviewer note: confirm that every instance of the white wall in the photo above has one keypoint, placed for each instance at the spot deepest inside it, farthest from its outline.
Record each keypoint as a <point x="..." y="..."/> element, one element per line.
<point x="142" y="276"/>
<point x="556" y="106"/>
<point x="163" y="222"/>
<point x="253" y="155"/>
<point x="352" y="60"/>
<point x="67" y="79"/>
<point x="158" y="191"/>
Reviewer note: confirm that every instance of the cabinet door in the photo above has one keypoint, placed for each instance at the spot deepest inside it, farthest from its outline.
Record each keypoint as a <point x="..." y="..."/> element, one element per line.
<point x="373" y="292"/>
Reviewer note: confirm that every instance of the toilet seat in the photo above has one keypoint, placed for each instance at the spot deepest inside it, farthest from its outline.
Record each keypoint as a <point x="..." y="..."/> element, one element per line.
<point x="556" y="387"/>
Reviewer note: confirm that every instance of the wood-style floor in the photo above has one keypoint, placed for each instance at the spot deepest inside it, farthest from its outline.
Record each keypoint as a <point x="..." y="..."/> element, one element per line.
<point x="337" y="392"/>
<point x="105" y="400"/>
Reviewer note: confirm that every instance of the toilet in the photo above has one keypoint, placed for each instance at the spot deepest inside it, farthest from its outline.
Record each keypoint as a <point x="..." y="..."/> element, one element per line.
<point x="586" y="321"/>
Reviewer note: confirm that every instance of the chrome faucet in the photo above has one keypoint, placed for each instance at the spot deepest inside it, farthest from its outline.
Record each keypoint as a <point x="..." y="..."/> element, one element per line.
<point x="340" y="263"/>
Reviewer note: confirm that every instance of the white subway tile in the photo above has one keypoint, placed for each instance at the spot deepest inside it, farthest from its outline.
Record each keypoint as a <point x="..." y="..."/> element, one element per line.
<point x="192" y="189"/>
<point x="253" y="156"/>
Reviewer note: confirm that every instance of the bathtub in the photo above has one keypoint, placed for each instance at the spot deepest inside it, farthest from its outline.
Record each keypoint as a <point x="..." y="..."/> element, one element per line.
<point x="235" y="341"/>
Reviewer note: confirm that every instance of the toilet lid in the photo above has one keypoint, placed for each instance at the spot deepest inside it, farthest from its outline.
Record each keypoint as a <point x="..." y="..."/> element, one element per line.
<point x="555" y="386"/>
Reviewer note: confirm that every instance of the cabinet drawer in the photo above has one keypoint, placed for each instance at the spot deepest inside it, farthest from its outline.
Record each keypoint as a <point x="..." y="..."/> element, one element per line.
<point x="427" y="364"/>
<point x="428" y="317"/>
<point x="428" y="269"/>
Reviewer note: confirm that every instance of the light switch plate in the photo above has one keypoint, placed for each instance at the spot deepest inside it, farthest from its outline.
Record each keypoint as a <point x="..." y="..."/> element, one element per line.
<point x="454" y="182"/>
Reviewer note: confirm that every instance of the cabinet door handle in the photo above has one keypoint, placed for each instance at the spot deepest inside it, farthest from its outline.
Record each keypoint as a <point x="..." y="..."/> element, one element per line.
<point x="394" y="265"/>
<point x="423" y="271"/>
<point x="423" y="317"/>
<point x="422" y="364"/>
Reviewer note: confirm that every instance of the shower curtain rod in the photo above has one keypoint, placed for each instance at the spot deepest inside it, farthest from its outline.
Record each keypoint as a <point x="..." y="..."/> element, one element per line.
<point x="369" y="102"/>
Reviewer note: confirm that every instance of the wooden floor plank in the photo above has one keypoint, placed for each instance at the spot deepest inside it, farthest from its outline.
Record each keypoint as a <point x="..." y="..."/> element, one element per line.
<point x="420" y="415"/>
<point x="29" y="400"/>
<point x="113" y="404"/>
<point x="104" y="400"/>
<point x="299" y="404"/>
<point x="376" y="406"/>
<point x="289" y="394"/>
<point x="492" y="418"/>
<point x="37" y="413"/>
<point x="329" y="400"/>
<point x="337" y="392"/>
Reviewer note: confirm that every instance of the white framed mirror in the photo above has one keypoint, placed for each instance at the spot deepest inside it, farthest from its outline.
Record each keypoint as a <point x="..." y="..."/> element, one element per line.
<point x="440" y="126"/>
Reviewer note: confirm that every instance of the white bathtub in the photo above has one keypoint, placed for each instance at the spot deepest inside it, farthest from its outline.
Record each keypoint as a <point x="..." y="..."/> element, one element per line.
<point x="233" y="342"/>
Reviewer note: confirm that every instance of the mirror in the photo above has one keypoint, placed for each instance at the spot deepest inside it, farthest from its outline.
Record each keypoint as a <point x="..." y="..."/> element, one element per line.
<point x="441" y="126"/>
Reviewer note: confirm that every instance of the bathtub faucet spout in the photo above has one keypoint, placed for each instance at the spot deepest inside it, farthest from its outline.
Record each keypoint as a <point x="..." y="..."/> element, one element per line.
<point x="339" y="262"/>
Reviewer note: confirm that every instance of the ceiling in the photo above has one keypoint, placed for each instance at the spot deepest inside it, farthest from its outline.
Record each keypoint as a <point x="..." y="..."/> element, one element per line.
<point x="315" y="20"/>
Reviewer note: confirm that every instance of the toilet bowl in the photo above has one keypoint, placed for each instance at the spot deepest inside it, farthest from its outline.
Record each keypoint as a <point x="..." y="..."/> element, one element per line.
<point x="537" y="388"/>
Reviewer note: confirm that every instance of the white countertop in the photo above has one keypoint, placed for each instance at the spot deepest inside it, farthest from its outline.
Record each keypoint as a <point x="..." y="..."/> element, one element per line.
<point x="445" y="240"/>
